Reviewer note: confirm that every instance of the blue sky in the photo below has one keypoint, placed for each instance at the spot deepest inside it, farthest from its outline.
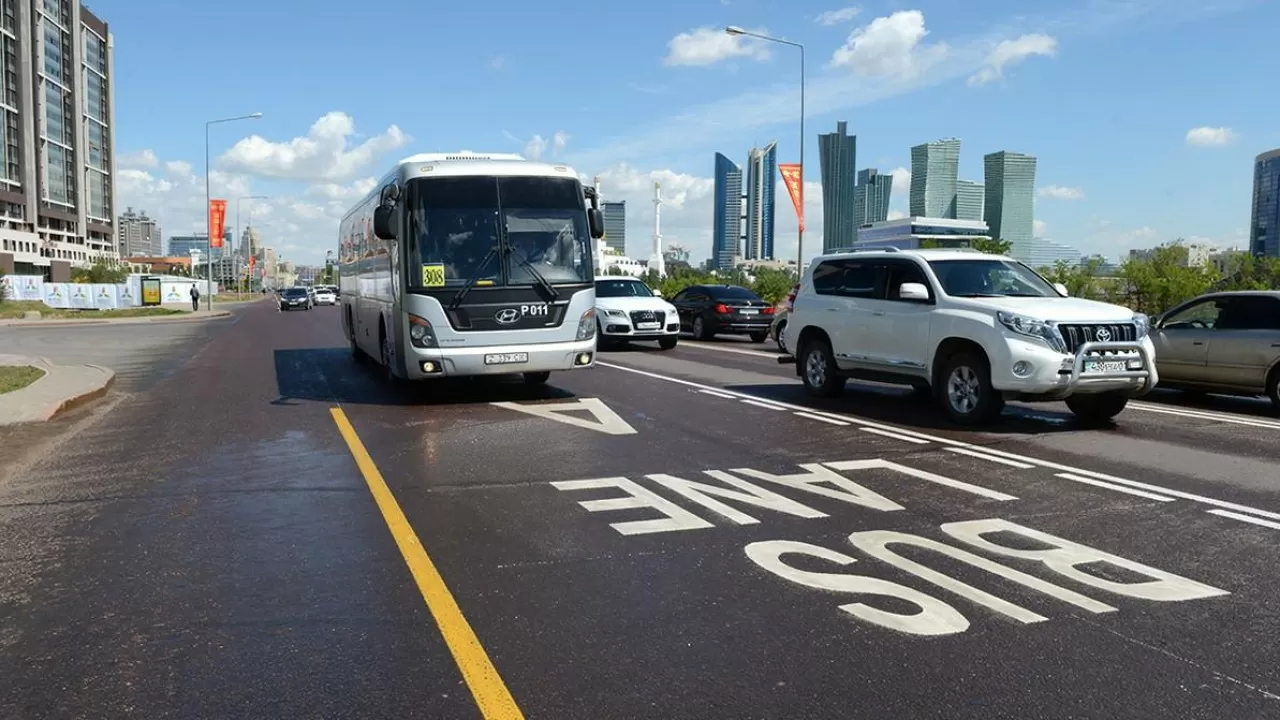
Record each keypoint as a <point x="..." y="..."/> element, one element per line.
<point x="1107" y="93"/>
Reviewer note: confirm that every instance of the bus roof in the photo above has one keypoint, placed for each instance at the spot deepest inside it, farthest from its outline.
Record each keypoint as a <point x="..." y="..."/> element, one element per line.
<point x="470" y="163"/>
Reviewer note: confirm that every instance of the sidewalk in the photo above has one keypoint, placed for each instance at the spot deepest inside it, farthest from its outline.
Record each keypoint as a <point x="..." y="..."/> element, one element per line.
<point x="62" y="388"/>
<point x="186" y="316"/>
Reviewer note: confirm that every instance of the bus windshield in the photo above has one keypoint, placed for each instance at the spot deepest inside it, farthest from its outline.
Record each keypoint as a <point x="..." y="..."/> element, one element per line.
<point x="502" y="230"/>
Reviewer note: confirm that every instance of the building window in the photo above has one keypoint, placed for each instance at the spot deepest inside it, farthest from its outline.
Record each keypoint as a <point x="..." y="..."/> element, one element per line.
<point x="55" y="159"/>
<point x="95" y="97"/>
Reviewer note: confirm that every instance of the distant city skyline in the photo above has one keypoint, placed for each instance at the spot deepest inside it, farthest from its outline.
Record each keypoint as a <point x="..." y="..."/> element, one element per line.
<point x="838" y="162"/>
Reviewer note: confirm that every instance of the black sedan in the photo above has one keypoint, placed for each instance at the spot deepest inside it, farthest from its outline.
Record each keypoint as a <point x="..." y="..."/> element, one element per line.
<point x="710" y="310"/>
<point x="295" y="298"/>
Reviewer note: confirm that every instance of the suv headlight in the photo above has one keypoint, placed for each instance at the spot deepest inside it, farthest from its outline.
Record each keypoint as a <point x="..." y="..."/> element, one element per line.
<point x="615" y="313"/>
<point x="587" y="325"/>
<point x="1031" y="327"/>
<point x="1142" y="324"/>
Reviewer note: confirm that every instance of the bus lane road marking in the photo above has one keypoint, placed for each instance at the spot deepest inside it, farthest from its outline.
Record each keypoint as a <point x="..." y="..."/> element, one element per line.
<point x="487" y="687"/>
<point x="603" y="418"/>
<point x="757" y="491"/>
<point x="1070" y="473"/>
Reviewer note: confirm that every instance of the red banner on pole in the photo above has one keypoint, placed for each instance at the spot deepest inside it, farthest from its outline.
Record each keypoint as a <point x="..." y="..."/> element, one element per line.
<point x="793" y="176"/>
<point x="217" y="222"/>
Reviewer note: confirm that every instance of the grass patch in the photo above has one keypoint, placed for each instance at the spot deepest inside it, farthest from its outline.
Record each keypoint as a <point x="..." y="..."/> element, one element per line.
<point x="236" y="297"/>
<point x="14" y="309"/>
<point x="17" y="377"/>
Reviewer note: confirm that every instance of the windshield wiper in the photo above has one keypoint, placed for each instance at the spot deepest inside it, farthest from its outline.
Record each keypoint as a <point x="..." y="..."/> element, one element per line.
<point x="475" y="278"/>
<point x="537" y="276"/>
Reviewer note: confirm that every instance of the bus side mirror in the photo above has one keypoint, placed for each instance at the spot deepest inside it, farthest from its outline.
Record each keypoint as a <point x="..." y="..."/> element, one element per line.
<point x="382" y="226"/>
<point x="596" y="219"/>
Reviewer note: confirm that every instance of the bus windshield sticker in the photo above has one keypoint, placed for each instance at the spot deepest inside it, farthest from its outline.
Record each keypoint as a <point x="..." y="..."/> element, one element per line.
<point x="433" y="275"/>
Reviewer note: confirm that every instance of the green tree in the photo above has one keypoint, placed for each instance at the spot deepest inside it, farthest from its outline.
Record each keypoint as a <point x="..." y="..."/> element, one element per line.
<point x="101" y="271"/>
<point x="773" y="285"/>
<point x="993" y="246"/>
<point x="1081" y="279"/>
<point x="1163" y="278"/>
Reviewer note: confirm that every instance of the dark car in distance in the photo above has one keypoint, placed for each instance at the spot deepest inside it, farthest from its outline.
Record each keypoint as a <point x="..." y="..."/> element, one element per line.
<point x="710" y="310"/>
<point x="295" y="298"/>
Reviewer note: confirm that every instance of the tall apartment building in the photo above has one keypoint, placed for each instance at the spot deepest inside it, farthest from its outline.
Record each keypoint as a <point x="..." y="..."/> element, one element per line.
<point x="935" y="167"/>
<point x="726" y="221"/>
<point x="870" y="200"/>
<point x="57" y="158"/>
<point x="762" y="177"/>
<point x="970" y="199"/>
<point x="182" y="245"/>
<point x="140" y="235"/>
<point x="1264" y="224"/>
<point x="615" y="225"/>
<point x="1010" y="204"/>
<point x="837" y="159"/>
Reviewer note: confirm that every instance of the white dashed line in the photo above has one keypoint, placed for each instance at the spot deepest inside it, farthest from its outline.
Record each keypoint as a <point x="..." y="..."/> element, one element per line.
<point x="1110" y="486"/>
<point x="894" y="435"/>
<point x="991" y="458"/>
<point x="1245" y="518"/>
<point x="819" y="418"/>
<point x="767" y="406"/>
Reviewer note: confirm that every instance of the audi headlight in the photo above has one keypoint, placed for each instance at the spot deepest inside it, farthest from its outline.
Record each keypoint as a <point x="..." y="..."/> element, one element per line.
<point x="615" y="313"/>
<point x="587" y="325"/>
<point x="1142" y="324"/>
<point x="421" y="334"/>
<point x="1031" y="327"/>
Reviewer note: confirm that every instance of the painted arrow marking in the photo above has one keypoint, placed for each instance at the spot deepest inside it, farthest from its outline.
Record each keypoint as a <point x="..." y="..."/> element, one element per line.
<point x="603" y="419"/>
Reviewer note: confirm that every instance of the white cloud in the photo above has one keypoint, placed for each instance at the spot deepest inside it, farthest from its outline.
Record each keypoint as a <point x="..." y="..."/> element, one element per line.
<point x="836" y="17"/>
<point x="1210" y="136"/>
<point x="895" y="215"/>
<point x="559" y="141"/>
<point x="176" y="167"/>
<point x="325" y="153"/>
<point x="1040" y="227"/>
<point x="891" y="47"/>
<point x="1058" y="192"/>
<point x="139" y="159"/>
<point x="537" y="146"/>
<point x="1011" y="52"/>
<point x="901" y="183"/>
<point x="710" y="45"/>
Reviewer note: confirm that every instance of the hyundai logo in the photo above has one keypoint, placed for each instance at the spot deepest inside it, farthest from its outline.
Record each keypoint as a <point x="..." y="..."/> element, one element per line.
<point x="506" y="316"/>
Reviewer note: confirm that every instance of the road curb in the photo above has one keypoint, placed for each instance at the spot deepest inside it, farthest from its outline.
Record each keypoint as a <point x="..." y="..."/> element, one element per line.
<point x="22" y="401"/>
<point x="220" y="315"/>
<point x="83" y="398"/>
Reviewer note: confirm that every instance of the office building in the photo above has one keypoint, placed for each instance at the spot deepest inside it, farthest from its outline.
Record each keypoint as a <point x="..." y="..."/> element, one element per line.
<point x="615" y="225"/>
<point x="837" y="159"/>
<point x="970" y="198"/>
<point x="1264" y="225"/>
<point x="250" y="243"/>
<point x="57" y="157"/>
<point x="870" y="200"/>
<point x="762" y="174"/>
<point x="182" y="245"/>
<point x="935" y="167"/>
<point x="726" y="225"/>
<point x="1010" y="203"/>
<point x="139" y="235"/>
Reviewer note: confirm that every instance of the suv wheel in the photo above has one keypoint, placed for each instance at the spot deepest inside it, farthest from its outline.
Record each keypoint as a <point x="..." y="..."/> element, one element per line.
<point x="966" y="391"/>
<point x="818" y="370"/>
<point x="1096" y="409"/>
<point x="778" y="338"/>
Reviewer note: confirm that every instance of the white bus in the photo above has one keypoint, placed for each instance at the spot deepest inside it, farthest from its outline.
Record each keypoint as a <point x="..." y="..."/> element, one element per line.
<point x="467" y="264"/>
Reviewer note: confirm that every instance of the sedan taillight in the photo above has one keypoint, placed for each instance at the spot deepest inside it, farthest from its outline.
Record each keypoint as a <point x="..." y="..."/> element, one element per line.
<point x="722" y="309"/>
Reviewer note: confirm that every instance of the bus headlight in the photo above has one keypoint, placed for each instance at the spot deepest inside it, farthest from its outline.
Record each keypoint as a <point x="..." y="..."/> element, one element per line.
<point x="587" y="325"/>
<point x="421" y="334"/>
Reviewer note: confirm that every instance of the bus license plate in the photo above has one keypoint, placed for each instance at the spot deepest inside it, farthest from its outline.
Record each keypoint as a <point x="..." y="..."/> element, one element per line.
<point x="506" y="358"/>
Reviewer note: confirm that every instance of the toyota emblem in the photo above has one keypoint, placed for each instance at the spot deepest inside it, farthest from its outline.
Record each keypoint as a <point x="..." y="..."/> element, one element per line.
<point x="1103" y="335"/>
<point x="506" y="316"/>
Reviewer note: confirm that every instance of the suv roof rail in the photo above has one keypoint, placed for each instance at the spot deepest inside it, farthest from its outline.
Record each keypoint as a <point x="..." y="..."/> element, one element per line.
<point x="873" y="248"/>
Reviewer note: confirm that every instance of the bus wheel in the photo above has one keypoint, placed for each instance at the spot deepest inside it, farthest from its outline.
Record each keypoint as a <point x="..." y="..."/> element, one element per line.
<point x="385" y="344"/>
<point x="536" y="378"/>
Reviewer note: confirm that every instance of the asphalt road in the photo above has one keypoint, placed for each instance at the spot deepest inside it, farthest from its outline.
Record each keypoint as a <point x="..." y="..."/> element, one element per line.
<point x="259" y="527"/>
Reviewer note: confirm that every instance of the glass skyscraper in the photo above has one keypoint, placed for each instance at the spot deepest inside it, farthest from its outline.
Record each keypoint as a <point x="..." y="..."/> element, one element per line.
<point x="726" y="225"/>
<point x="934" y="170"/>
<point x="970" y="197"/>
<point x="870" y="200"/>
<point x="1010" y="205"/>
<point x="837" y="159"/>
<point x="1264" y="227"/>
<point x="615" y="225"/>
<point x="762" y="172"/>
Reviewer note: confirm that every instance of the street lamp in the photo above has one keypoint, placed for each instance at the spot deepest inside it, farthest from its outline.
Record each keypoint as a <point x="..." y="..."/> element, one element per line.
<point x="208" y="241"/>
<point x="735" y="30"/>
<point x="249" y="252"/>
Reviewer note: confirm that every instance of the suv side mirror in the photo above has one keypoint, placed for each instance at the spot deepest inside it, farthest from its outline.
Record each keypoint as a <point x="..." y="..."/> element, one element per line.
<point x="656" y="292"/>
<point x="1062" y="289"/>
<point x="914" y="292"/>
<point x="382" y="227"/>
<point x="595" y="219"/>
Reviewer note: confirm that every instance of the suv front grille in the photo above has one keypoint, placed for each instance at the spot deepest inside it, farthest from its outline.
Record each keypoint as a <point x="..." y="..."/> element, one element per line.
<point x="1075" y="334"/>
<point x="647" y="316"/>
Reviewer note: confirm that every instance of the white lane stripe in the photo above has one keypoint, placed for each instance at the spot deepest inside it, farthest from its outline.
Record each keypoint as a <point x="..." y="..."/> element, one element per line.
<point x="719" y="348"/>
<point x="895" y="436"/>
<point x="819" y="418"/>
<point x="1203" y="415"/>
<point x="715" y="393"/>
<point x="1245" y="518"/>
<point x="991" y="458"/>
<point x="765" y="405"/>
<point x="1112" y="486"/>
<point x="956" y="443"/>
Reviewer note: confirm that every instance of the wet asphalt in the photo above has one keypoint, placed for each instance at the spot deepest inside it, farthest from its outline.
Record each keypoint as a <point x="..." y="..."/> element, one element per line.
<point x="203" y="544"/>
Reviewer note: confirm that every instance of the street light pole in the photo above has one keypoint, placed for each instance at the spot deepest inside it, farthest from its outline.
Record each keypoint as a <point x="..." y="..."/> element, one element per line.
<point x="208" y="226"/>
<point x="735" y="30"/>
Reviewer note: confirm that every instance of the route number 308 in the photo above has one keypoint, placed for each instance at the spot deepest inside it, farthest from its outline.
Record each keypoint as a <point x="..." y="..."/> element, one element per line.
<point x="433" y="275"/>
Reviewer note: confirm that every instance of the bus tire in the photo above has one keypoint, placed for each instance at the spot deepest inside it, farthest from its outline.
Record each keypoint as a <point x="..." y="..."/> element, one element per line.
<point x="537" y="378"/>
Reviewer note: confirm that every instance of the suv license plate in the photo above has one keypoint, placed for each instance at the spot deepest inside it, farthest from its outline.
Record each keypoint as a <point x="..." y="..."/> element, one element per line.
<point x="506" y="358"/>
<point x="1104" y="366"/>
<point x="648" y="326"/>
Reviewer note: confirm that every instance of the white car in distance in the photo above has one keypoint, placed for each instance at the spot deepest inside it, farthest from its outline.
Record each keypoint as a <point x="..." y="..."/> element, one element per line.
<point x="325" y="296"/>
<point x="972" y="328"/>
<point x="627" y="309"/>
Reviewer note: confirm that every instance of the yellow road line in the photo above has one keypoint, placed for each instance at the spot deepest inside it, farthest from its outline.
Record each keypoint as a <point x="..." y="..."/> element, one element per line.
<point x="487" y="687"/>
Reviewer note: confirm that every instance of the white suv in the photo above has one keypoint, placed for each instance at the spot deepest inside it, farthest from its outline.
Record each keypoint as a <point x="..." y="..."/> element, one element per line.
<point x="627" y="309"/>
<point x="972" y="328"/>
